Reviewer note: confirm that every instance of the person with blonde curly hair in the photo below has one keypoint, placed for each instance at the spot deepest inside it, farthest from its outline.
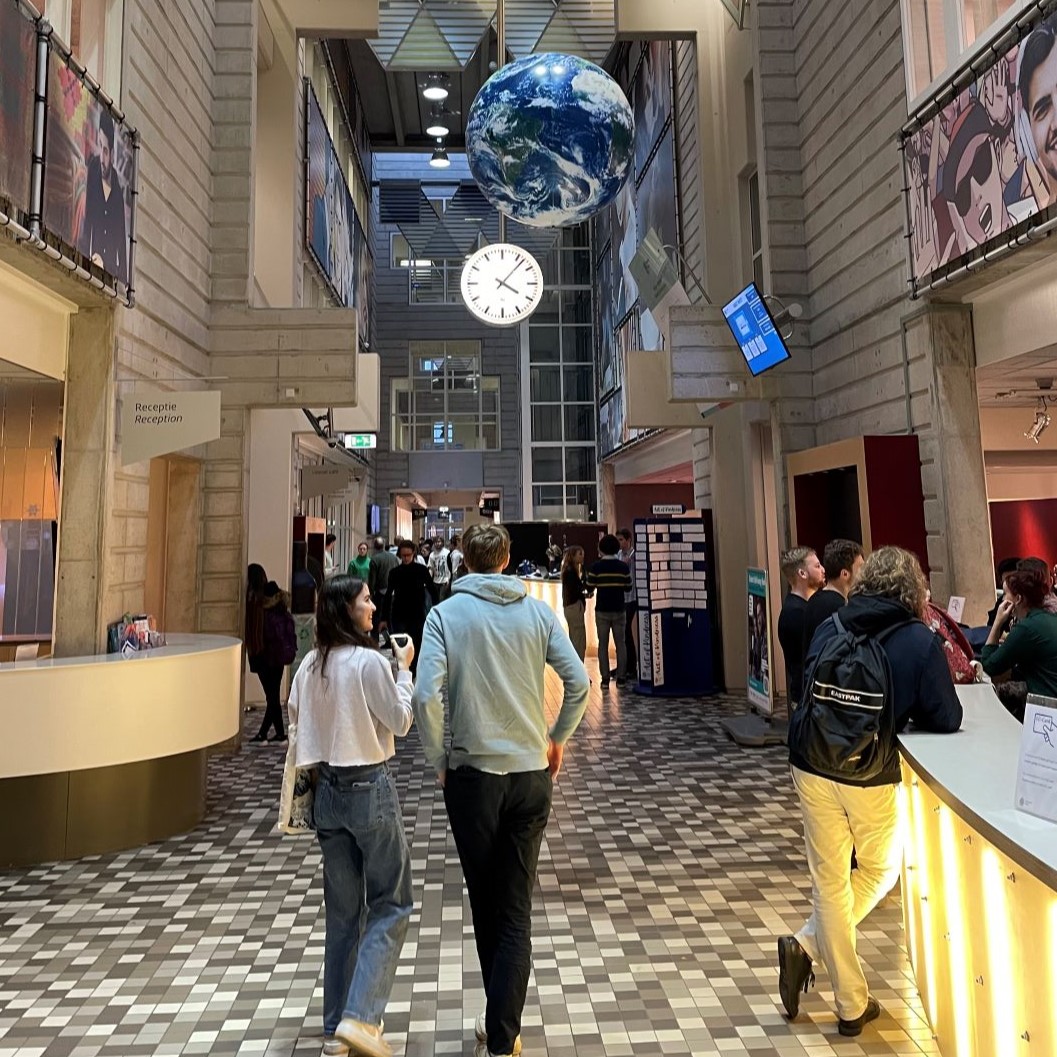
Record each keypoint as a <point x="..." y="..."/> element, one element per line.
<point x="886" y="604"/>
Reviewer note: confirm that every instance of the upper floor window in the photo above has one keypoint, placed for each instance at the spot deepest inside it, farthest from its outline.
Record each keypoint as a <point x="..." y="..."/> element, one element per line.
<point x="445" y="404"/>
<point x="937" y="34"/>
<point x="93" y="30"/>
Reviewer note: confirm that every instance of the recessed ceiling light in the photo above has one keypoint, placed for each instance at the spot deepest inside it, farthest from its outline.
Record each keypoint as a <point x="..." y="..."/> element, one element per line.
<point x="436" y="89"/>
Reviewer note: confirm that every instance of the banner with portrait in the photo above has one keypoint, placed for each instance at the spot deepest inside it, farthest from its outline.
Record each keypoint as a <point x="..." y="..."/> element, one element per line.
<point x="759" y="641"/>
<point x="364" y="273"/>
<point x="988" y="160"/>
<point x="653" y="99"/>
<point x="330" y="215"/>
<point x="18" y="68"/>
<point x="89" y="173"/>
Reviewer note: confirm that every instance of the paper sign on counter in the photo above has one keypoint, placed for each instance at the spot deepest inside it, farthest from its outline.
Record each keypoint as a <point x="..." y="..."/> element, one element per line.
<point x="1037" y="773"/>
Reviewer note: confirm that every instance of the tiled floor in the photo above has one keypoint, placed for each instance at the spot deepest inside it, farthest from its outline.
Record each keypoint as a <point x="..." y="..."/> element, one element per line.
<point x="672" y="862"/>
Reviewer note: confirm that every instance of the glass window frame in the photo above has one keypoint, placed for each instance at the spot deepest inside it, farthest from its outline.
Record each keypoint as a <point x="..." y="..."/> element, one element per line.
<point x="449" y="417"/>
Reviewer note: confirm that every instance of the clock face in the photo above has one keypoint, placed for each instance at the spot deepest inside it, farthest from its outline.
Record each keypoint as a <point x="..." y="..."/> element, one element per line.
<point x="502" y="284"/>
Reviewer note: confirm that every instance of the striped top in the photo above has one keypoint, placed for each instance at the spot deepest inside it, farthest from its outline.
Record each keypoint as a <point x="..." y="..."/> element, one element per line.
<point x="609" y="578"/>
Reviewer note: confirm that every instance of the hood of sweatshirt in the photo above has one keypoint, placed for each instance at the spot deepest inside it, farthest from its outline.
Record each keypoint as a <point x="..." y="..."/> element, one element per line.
<point x="872" y="614"/>
<point x="491" y="587"/>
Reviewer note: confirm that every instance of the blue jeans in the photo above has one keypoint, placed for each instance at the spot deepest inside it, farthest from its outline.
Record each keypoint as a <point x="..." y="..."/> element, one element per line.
<point x="366" y="889"/>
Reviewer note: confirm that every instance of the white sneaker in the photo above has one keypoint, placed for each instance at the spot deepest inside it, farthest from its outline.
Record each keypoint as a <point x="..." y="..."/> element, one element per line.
<point x="334" y="1047"/>
<point x="482" y="1038"/>
<point x="363" y="1039"/>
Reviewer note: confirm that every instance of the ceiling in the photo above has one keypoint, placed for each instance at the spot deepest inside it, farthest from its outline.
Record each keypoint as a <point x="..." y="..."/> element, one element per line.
<point x="1016" y="379"/>
<point x="458" y="39"/>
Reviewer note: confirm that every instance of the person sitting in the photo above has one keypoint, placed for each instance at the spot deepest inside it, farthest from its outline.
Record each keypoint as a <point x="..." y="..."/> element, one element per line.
<point x="1030" y="647"/>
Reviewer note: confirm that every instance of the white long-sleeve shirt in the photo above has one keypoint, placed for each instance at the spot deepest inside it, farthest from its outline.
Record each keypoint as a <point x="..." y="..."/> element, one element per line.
<point x="348" y="716"/>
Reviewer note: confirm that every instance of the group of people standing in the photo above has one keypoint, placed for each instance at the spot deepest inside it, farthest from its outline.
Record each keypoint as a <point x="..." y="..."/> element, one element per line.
<point x="611" y="579"/>
<point x="483" y="652"/>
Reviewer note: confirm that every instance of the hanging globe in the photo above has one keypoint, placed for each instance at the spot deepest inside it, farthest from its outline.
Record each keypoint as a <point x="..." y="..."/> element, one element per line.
<point x="550" y="140"/>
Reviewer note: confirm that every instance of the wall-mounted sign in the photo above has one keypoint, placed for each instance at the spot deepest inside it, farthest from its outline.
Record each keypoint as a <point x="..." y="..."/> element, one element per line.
<point x="987" y="161"/>
<point x="330" y="220"/>
<point x="155" y="423"/>
<point x="489" y="505"/>
<point x="667" y="509"/>
<point x="89" y="173"/>
<point x="359" y="441"/>
<point x="18" y="64"/>
<point x="324" y="480"/>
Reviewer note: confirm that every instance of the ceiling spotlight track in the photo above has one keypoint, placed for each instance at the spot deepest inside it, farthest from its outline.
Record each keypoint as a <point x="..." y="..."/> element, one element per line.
<point x="1042" y="419"/>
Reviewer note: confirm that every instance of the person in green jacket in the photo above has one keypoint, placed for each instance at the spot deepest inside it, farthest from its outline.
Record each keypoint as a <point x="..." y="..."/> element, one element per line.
<point x="1031" y="645"/>
<point x="360" y="566"/>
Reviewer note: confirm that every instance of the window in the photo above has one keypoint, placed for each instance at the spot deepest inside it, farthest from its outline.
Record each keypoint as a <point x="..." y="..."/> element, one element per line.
<point x="561" y="475"/>
<point x="93" y="30"/>
<point x="445" y="404"/>
<point x="937" y="34"/>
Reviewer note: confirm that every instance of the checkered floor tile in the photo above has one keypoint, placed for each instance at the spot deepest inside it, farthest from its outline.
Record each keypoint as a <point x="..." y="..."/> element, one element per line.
<point x="672" y="861"/>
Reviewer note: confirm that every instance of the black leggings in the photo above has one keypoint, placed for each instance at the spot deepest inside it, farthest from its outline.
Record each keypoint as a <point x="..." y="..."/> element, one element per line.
<point x="271" y="677"/>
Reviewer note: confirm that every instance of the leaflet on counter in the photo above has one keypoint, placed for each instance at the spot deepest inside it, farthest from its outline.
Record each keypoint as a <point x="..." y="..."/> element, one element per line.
<point x="1037" y="773"/>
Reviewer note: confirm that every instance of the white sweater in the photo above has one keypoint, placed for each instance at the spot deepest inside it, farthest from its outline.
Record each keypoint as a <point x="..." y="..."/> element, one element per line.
<point x="348" y="717"/>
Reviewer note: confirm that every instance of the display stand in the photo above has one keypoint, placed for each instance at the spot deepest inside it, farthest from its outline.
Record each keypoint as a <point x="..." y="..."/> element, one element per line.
<point x="675" y="624"/>
<point x="758" y="729"/>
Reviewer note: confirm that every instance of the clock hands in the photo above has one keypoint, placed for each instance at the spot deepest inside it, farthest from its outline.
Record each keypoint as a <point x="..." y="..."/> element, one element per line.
<point x="503" y="282"/>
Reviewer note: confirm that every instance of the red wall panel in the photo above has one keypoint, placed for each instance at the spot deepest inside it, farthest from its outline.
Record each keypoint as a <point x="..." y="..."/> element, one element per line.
<point x="1024" y="528"/>
<point x="636" y="500"/>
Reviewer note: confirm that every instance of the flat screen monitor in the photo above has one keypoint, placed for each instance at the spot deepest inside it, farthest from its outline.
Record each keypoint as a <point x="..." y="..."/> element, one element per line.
<point x="752" y="325"/>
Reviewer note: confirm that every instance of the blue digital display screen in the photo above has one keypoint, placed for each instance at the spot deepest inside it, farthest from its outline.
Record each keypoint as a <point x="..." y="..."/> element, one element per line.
<point x="752" y="325"/>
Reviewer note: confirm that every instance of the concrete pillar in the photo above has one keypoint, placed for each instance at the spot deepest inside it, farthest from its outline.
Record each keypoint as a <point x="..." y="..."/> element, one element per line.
<point x="87" y="452"/>
<point x="607" y="495"/>
<point x="957" y="520"/>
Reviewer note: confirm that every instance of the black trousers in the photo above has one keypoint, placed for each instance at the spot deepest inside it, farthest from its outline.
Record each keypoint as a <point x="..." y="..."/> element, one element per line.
<point x="632" y="611"/>
<point x="271" y="677"/>
<point x="498" y="822"/>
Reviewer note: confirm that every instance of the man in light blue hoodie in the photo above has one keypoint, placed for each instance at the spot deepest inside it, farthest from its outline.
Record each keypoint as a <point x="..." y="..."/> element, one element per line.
<point x="490" y="643"/>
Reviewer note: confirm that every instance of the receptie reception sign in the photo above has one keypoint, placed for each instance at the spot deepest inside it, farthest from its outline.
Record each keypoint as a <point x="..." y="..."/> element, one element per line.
<point x="155" y="423"/>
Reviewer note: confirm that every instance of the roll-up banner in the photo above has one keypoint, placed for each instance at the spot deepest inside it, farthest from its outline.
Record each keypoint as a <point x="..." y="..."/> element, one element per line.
<point x="761" y="685"/>
<point x="18" y="69"/>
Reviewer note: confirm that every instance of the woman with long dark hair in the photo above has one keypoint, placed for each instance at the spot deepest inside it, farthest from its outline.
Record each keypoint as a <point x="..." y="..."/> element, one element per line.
<point x="348" y="706"/>
<point x="574" y="595"/>
<point x="253" y="636"/>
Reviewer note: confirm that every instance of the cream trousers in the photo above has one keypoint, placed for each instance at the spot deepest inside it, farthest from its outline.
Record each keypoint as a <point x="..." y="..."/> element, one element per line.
<point x="838" y="818"/>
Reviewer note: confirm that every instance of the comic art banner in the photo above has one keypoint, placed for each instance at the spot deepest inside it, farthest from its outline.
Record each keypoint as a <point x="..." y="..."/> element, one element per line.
<point x="18" y="67"/>
<point x="988" y="160"/>
<point x="330" y="220"/>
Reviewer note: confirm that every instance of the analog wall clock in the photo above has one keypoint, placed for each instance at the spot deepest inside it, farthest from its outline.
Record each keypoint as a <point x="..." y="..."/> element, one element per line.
<point x="502" y="284"/>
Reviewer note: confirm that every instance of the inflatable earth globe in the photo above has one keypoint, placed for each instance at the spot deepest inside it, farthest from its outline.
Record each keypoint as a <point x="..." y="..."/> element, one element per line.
<point x="550" y="140"/>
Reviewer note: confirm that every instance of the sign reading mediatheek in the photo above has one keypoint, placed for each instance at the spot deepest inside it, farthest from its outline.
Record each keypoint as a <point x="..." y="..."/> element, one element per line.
<point x="667" y="509"/>
<point x="156" y="423"/>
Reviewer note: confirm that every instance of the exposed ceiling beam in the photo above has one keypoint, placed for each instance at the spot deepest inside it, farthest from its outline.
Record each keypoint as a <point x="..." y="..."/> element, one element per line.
<point x="394" y="107"/>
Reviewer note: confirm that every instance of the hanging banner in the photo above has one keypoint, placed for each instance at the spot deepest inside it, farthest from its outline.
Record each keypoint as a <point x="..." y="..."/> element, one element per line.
<point x="364" y="271"/>
<point x="987" y="161"/>
<point x="89" y="173"/>
<point x="330" y="215"/>
<point x="761" y="690"/>
<point x="18" y="65"/>
<point x="154" y="423"/>
<point x="323" y="480"/>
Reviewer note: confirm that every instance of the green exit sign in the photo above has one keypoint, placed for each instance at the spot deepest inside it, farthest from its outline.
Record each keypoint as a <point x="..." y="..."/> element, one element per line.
<point x="358" y="441"/>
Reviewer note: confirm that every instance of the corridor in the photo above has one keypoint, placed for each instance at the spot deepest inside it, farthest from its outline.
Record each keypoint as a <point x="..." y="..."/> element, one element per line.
<point x="672" y="862"/>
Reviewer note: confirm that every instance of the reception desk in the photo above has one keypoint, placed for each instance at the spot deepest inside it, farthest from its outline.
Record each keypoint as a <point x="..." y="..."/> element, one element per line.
<point x="979" y="889"/>
<point x="550" y="591"/>
<point x="108" y="752"/>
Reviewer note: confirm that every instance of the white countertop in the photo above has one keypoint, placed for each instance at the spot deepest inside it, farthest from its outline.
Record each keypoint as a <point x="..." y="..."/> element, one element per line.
<point x="975" y="773"/>
<point x="175" y="646"/>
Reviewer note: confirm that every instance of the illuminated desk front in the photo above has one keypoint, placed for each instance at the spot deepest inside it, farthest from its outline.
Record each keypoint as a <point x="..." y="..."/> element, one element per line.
<point x="979" y="889"/>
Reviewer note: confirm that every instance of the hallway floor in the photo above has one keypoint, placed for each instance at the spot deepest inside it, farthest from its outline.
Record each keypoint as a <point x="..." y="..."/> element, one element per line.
<point x="672" y="862"/>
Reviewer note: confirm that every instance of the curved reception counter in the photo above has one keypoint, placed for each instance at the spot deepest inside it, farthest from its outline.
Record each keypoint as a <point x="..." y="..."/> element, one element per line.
<point x="979" y="889"/>
<point x="109" y="752"/>
<point x="550" y="592"/>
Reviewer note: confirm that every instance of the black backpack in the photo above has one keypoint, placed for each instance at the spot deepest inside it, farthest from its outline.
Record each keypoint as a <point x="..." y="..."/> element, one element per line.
<point x="844" y="728"/>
